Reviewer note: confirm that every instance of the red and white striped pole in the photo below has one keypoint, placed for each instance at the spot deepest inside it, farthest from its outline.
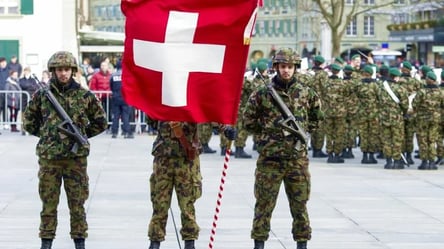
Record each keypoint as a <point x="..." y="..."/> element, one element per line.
<point x="219" y="195"/>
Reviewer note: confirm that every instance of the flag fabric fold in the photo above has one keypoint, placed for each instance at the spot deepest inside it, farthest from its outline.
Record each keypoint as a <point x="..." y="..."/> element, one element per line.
<point x="184" y="60"/>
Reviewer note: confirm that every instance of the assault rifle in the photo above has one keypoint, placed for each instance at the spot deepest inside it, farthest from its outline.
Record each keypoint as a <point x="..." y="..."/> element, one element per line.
<point x="67" y="126"/>
<point x="289" y="123"/>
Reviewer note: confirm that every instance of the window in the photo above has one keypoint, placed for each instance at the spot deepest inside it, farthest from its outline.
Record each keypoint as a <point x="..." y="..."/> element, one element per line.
<point x="369" y="25"/>
<point x="400" y="2"/>
<point x="351" y="28"/>
<point x="9" y="7"/>
<point x="369" y="2"/>
<point x="349" y="2"/>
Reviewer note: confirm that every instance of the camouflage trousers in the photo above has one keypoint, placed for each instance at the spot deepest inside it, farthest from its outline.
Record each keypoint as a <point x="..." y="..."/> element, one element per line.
<point x="427" y="134"/>
<point x="335" y="131"/>
<point x="409" y="133"/>
<point x="73" y="172"/>
<point x="205" y="132"/>
<point x="369" y="135"/>
<point x="392" y="138"/>
<point x="269" y="175"/>
<point x="318" y="137"/>
<point x="185" y="178"/>
<point x="351" y="132"/>
<point x="440" y="143"/>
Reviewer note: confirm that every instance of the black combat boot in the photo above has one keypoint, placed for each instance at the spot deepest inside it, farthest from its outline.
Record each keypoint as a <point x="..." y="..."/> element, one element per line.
<point x="46" y="244"/>
<point x="338" y="158"/>
<point x="350" y="153"/>
<point x="439" y="161"/>
<point x="424" y="165"/>
<point x="207" y="150"/>
<point x="417" y="155"/>
<point x="240" y="153"/>
<point x="372" y="158"/>
<point x="331" y="158"/>
<point x="79" y="243"/>
<point x="389" y="163"/>
<point x="223" y="150"/>
<point x="189" y="244"/>
<point x="301" y="245"/>
<point x="432" y="165"/>
<point x="365" y="159"/>
<point x="380" y="155"/>
<point x="154" y="244"/>
<point x="259" y="244"/>
<point x="344" y="153"/>
<point x="317" y="153"/>
<point x="399" y="164"/>
<point x="408" y="156"/>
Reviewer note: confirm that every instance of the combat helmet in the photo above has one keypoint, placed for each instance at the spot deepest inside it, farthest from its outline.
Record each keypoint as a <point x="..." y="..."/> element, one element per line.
<point x="286" y="55"/>
<point x="62" y="59"/>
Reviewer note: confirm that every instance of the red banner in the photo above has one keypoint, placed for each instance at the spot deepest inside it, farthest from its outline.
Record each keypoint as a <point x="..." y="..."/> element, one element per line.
<point x="184" y="60"/>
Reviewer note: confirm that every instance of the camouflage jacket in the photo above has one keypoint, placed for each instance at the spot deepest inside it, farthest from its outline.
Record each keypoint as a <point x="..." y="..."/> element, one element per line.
<point x="367" y="94"/>
<point x="261" y="116"/>
<point x="167" y="144"/>
<point x="334" y="94"/>
<point x="390" y="111"/>
<point x="318" y="80"/>
<point x="428" y="104"/>
<point x="352" y="101"/>
<point x="411" y="84"/>
<point x="41" y="120"/>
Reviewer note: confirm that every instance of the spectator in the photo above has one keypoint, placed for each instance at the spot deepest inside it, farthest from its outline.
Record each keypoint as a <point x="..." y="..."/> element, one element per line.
<point x="100" y="82"/>
<point x="14" y="65"/>
<point x="13" y="98"/>
<point x="81" y="79"/>
<point x="46" y="76"/>
<point x="121" y="110"/>
<point x="28" y="84"/>
<point x="4" y="74"/>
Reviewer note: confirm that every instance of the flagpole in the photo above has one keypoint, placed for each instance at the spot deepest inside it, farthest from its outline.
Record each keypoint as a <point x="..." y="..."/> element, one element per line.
<point x="219" y="195"/>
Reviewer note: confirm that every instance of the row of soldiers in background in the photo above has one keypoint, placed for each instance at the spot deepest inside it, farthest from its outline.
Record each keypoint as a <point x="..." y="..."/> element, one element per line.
<point x="384" y="112"/>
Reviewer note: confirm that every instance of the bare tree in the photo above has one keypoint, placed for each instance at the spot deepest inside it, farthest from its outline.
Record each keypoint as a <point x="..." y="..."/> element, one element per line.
<point x="338" y="14"/>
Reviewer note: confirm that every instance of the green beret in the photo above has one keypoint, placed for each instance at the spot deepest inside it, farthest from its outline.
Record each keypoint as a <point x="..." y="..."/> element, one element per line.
<point x="368" y="69"/>
<point x="335" y="67"/>
<point x="442" y="74"/>
<point x="394" y="71"/>
<point x="407" y="65"/>
<point x="348" y="68"/>
<point x="355" y="56"/>
<point x="384" y="67"/>
<point x="262" y="66"/>
<point x="339" y="60"/>
<point x="431" y="75"/>
<point x="425" y="69"/>
<point x="264" y="60"/>
<point x="319" y="59"/>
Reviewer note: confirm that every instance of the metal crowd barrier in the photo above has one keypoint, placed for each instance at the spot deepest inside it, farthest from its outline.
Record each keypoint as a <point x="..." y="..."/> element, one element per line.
<point x="137" y="117"/>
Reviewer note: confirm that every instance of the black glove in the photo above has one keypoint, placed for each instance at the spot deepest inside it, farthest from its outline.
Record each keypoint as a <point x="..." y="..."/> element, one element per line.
<point x="298" y="119"/>
<point x="230" y="133"/>
<point x="407" y="116"/>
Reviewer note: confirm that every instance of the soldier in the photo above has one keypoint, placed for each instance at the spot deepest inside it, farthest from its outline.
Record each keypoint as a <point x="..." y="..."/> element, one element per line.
<point x="412" y="86"/>
<point x="351" y="119"/>
<point x="205" y="132"/>
<point x="393" y="101"/>
<point x="319" y="78"/>
<point x="334" y="93"/>
<point x="282" y="157"/>
<point x="176" y="166"/>
<point x="428" y="104"/>
<point x="356" y="64"/>
<point x="60" y="156"/>
<point x="440" y="144"/>
<point x="368" y="116"/>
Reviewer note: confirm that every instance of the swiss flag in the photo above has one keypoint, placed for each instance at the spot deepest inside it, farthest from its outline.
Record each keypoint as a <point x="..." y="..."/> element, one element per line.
<point x="184" y="60"/>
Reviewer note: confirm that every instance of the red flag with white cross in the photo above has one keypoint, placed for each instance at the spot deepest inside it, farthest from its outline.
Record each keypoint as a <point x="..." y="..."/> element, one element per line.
<point x="184" y="60"/>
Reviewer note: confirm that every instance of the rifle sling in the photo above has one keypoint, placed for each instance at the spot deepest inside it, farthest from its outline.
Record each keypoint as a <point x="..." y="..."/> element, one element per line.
<point x="190" y="151"/>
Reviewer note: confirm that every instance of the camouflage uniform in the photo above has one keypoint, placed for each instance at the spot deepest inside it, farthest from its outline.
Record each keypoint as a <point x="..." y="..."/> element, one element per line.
<point x="279" y="160"/>
<point x="172" y="169"/>
<point x="412" y="85"/>
<point x="57" y="159"/>
<point x="258" y="81"/>
<point x="440" y="143"/>
<point x="368" y="116"/>
<point x="391" y="118"/>
<point x="351" y="103"/>
<point x="318" y="80"/>
<point x="428" y="105"/>
<point x="334" y="94"/>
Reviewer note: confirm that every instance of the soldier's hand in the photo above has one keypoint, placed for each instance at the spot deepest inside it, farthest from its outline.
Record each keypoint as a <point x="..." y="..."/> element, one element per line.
<point x="230" y="132"/>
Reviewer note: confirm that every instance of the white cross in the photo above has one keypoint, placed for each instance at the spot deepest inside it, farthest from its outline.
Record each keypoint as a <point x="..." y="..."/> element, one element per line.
<point x="178" y="56"/>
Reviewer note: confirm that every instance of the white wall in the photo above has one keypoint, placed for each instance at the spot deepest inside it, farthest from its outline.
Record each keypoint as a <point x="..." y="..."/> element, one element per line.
<point x="51" y="28"/>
